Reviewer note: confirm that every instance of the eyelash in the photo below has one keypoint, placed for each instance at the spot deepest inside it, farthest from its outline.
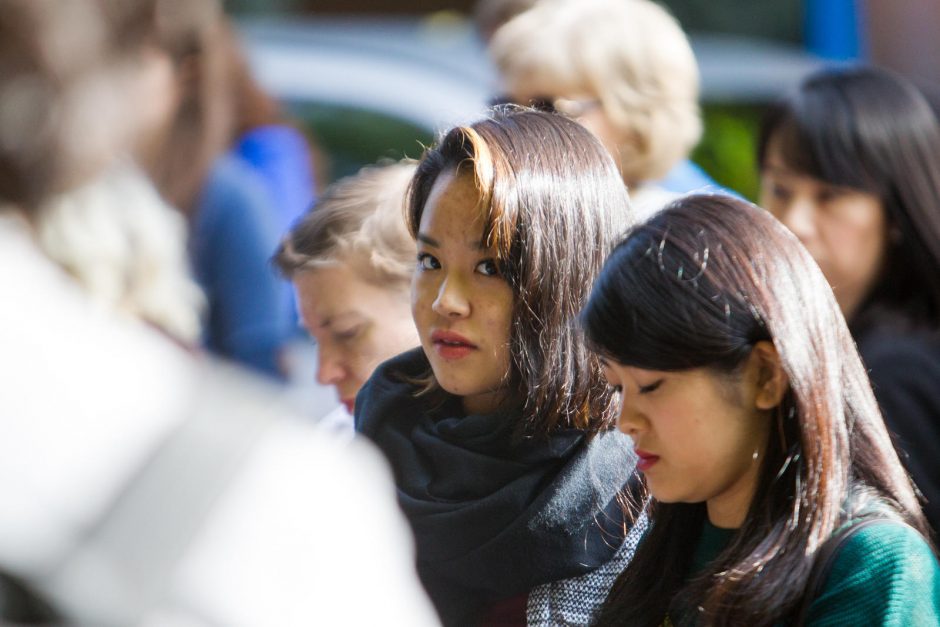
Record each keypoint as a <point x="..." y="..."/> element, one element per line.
<point x="495" y="267"/>
<point x="652" y="387"/>
<point x="346" y="336"/>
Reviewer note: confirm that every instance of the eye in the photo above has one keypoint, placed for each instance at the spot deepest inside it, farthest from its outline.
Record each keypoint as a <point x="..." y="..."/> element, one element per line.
<point x="652" y="387"/>
<point x="347" y="334"/>
<point x="828" y="194"/>
<point x="776" y="190"/>
<point x="488" y="267"/>
<point x="427" y="262"/>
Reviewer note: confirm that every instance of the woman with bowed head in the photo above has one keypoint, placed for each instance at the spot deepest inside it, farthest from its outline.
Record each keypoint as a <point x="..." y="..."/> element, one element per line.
<point x="759" y="439"/>
<point x="849" y="162"/>
<point x="494" y="426"/>
<point x="350" y="259"/>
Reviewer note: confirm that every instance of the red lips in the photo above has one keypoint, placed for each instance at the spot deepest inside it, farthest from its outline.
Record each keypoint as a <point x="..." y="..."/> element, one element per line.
<point x="450" y="345"/>
<point x="646" y="460"/>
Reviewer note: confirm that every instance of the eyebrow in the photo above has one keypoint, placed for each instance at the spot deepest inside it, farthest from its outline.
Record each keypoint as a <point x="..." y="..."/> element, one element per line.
<point x="430" y="241"/>
<point x="777" y="168"/>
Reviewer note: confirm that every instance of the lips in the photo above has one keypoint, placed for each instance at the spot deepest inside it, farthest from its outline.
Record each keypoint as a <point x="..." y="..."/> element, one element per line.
<point x="646" y="460"/>
<point x="450" y="345"/>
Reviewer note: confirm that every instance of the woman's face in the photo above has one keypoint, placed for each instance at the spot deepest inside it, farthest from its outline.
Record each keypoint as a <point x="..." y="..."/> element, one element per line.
<point x="845" y="230"/>
<point x="462" y="306"/>
<point x="357" y="325"/>
<point x="698" y="435"/>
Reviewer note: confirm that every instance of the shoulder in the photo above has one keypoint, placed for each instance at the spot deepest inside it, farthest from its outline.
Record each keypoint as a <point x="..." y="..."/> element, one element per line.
<point x="334" y="538"/>
<point x="904" y="369"/>
<point x="885" y="574"/>
<point x="895" y="354"/>
<point x="233" y="189"/>
<point x="265" y="143"/>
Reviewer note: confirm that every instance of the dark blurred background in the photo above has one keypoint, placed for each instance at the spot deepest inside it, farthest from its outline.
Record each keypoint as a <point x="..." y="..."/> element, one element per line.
<point x="430" y="70"/>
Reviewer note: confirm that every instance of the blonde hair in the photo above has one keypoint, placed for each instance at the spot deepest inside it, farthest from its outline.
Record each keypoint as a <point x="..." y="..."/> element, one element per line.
<point x="127" y="249"/>
<point x="631" y="55"/>
<point x="358" y="221"/>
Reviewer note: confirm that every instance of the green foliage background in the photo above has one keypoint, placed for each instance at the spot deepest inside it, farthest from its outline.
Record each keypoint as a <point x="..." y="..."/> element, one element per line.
<point x="352" y="138"/>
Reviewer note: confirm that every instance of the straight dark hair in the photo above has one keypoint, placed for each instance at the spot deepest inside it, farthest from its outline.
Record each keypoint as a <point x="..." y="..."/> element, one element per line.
<point x="871" y="130"/>
<point x="554" y="205"/>
<point x="697" y="286"/>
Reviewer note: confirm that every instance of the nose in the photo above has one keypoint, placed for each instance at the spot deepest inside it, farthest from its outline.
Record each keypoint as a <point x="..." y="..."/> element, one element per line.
<point x="452" y="301"/>
<point x="629" y="421"/>
<point x="330" y="369"/>
<point x="799" y="216"/>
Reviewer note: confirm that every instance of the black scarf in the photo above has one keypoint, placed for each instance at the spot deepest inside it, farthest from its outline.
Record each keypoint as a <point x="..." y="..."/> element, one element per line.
<point x="492" y="519"/>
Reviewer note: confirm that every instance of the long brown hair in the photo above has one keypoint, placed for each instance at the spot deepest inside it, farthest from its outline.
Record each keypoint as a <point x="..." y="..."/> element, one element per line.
<point x="697" y="286"/>
<point x="554" y="206"/>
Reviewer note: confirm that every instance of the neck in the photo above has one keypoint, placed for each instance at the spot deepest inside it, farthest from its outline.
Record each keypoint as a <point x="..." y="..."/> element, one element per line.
<point x="729" y="509"/>
<point x="484" y="403"/>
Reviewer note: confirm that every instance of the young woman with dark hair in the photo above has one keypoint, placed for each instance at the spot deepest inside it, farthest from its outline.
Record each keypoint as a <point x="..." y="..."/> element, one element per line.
<point x="757" y="433"/>
<point x="492" y="427"/>
<point x="850" y="164"/>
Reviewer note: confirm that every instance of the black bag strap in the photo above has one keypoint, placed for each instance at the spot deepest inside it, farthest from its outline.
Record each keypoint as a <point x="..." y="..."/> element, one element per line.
<point x="825" y="558"/>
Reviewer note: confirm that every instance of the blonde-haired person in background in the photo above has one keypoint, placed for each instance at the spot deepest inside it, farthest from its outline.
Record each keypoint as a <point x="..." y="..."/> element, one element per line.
<point x="127" y="249"/>
<point x="622" y="68"/>
<point x="350" y="259"/>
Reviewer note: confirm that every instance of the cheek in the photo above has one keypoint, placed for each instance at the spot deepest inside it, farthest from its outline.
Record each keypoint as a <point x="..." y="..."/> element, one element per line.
<point x="596" y="122"/>
<point x="858" y="243"/>
<point x="420" y="301"/>
<point x="498" y="318"/>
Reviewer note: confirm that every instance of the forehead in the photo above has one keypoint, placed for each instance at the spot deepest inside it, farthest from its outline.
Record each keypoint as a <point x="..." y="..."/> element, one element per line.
<point x="547" y="85"/>
<point x="333" y="289"/>
<point x="453" y="208"/>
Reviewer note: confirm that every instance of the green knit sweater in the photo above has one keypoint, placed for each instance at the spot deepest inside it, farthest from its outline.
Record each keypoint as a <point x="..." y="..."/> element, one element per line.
<point x="885" y="574"/>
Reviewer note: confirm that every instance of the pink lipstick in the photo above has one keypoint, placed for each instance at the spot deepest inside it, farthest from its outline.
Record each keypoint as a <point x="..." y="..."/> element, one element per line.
<point x="450" y="345"/>
<point x="646" y="460"/>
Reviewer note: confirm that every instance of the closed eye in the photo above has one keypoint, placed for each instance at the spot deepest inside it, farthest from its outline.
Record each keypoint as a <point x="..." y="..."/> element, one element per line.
<point x="428" y="262"/>
<point x="347" y="334"/>
<point x="652" y="387"/>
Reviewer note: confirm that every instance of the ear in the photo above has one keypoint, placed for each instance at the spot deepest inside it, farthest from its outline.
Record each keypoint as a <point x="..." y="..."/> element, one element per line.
<point x="772" y="382"/>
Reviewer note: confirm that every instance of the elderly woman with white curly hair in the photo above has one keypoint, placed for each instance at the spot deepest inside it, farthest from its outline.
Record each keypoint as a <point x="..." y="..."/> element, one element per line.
<point x="622" y="68"/>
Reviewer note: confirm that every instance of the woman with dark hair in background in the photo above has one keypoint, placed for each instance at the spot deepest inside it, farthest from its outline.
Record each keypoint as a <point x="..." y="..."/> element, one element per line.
<point x="850" y="162"/>
<point x="757" y="433"/>
<point x="493" y="426"/>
